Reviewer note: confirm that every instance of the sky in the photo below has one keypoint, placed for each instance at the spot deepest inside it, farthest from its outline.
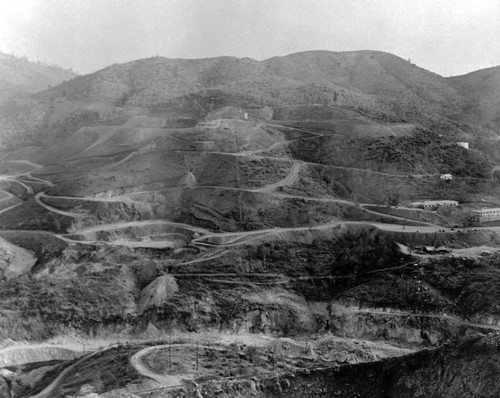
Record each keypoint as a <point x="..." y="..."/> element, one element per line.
<point x="448" y="37"/>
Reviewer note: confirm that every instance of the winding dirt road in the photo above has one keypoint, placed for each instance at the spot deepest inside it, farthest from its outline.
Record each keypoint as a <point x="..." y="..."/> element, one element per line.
<point x="205" y="237"/>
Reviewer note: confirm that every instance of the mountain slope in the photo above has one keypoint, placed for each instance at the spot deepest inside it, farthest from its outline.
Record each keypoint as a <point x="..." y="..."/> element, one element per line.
<point x="19" y="76"/>
<point x="482" y="90"/>
<point x="376" y="85"/>
<point x="367" y="79"/>
<point x="274" y="197"/>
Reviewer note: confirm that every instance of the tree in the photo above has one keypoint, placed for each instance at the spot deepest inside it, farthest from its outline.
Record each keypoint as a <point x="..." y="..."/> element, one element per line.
<point x="393" y="199"/>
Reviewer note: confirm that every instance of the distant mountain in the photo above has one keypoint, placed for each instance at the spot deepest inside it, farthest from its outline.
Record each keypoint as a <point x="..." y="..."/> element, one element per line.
<point x="376" y="85"/>
<point x="20" y="76"/>
<point x="372" y="80"/>
<point x="482" y="91"/>
<point x="375" y="82"/>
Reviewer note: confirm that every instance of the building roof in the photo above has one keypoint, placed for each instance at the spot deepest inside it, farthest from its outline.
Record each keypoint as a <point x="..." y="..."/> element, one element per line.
<point x="487" y="209"/>
<point x="434" y="202"/>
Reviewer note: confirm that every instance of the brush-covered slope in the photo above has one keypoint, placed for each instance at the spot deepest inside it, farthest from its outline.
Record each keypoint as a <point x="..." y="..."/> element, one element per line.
<point x="482" y="91"/>
<point x="468" y="368"/>
<point x="19" y="76"/>
<point x="379" y="86"/>
<point x="366" y="78"/>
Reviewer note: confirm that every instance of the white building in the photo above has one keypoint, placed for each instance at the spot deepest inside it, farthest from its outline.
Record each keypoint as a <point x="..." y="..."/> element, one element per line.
<point x="491" y="214"/>
<point x="463" y="144"/>
<point x="446" y="177"/>
<point x="432" y="204"/>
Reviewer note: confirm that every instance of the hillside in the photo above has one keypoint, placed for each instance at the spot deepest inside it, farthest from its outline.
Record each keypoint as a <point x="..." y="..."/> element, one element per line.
<point x="465" y="369"/>
<point x="258" y="212"/>
<point x="366" y="79"/>
<point x="380" y="86"/>
<point x="18" y="76"/>
<point x="481" y="89"/>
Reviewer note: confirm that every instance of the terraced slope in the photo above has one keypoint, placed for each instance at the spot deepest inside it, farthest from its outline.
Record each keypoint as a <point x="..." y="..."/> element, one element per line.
<point x="218" y="206"/>
<point x="237" y="196"/>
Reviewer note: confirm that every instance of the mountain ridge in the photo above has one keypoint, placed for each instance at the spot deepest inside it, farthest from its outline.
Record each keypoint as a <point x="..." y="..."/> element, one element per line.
<point x="369" y="79"/>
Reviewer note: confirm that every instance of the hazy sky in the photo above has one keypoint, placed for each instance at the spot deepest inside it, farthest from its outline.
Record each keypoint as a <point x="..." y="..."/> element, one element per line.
<point x="448" y="37"/>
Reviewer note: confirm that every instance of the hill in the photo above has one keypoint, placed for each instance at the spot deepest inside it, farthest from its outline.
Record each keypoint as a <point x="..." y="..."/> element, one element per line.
<point x="481" y="90"/>
<point x="379" y="86"/>
<point x="18" y="76"/>
<point x="241" y="197"/>
<point x="465" y="369"/>
<point x="367" y="79"/>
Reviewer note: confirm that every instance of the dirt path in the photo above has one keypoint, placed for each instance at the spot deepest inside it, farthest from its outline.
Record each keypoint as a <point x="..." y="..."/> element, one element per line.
<point x="130" y="224"/>
<point x="289" y="180"/>
<point x="164" y="379"/>
<point x="28" y="162"/>
<point x="205" y="257"/>
<point x="39" y="201"/>
<point x="47" y="391"/>
<point x="424" y="315"/>
<point x="6" y="195"/>
<point x="101" y="140"/>
<point x="242" y="238"/>
<point x="118" y="198"/>
<point x="29" y="173"/>
<point x="28" y="189"/>
<point x="137" y="362"/>
<point x="23" y="183"/>
<point x="219" y="240"/>
<point x="233" y="238"/>
<point x="10" y="208"/>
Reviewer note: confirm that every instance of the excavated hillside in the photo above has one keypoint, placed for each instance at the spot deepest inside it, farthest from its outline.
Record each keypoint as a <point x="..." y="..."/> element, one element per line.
<point x="263" y="201"/>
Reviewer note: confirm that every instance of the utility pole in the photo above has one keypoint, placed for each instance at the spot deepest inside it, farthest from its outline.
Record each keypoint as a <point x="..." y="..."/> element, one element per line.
<point x="170" y="352"/>
<point x="238" y="177"/>
<point x="197" y="356"/>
